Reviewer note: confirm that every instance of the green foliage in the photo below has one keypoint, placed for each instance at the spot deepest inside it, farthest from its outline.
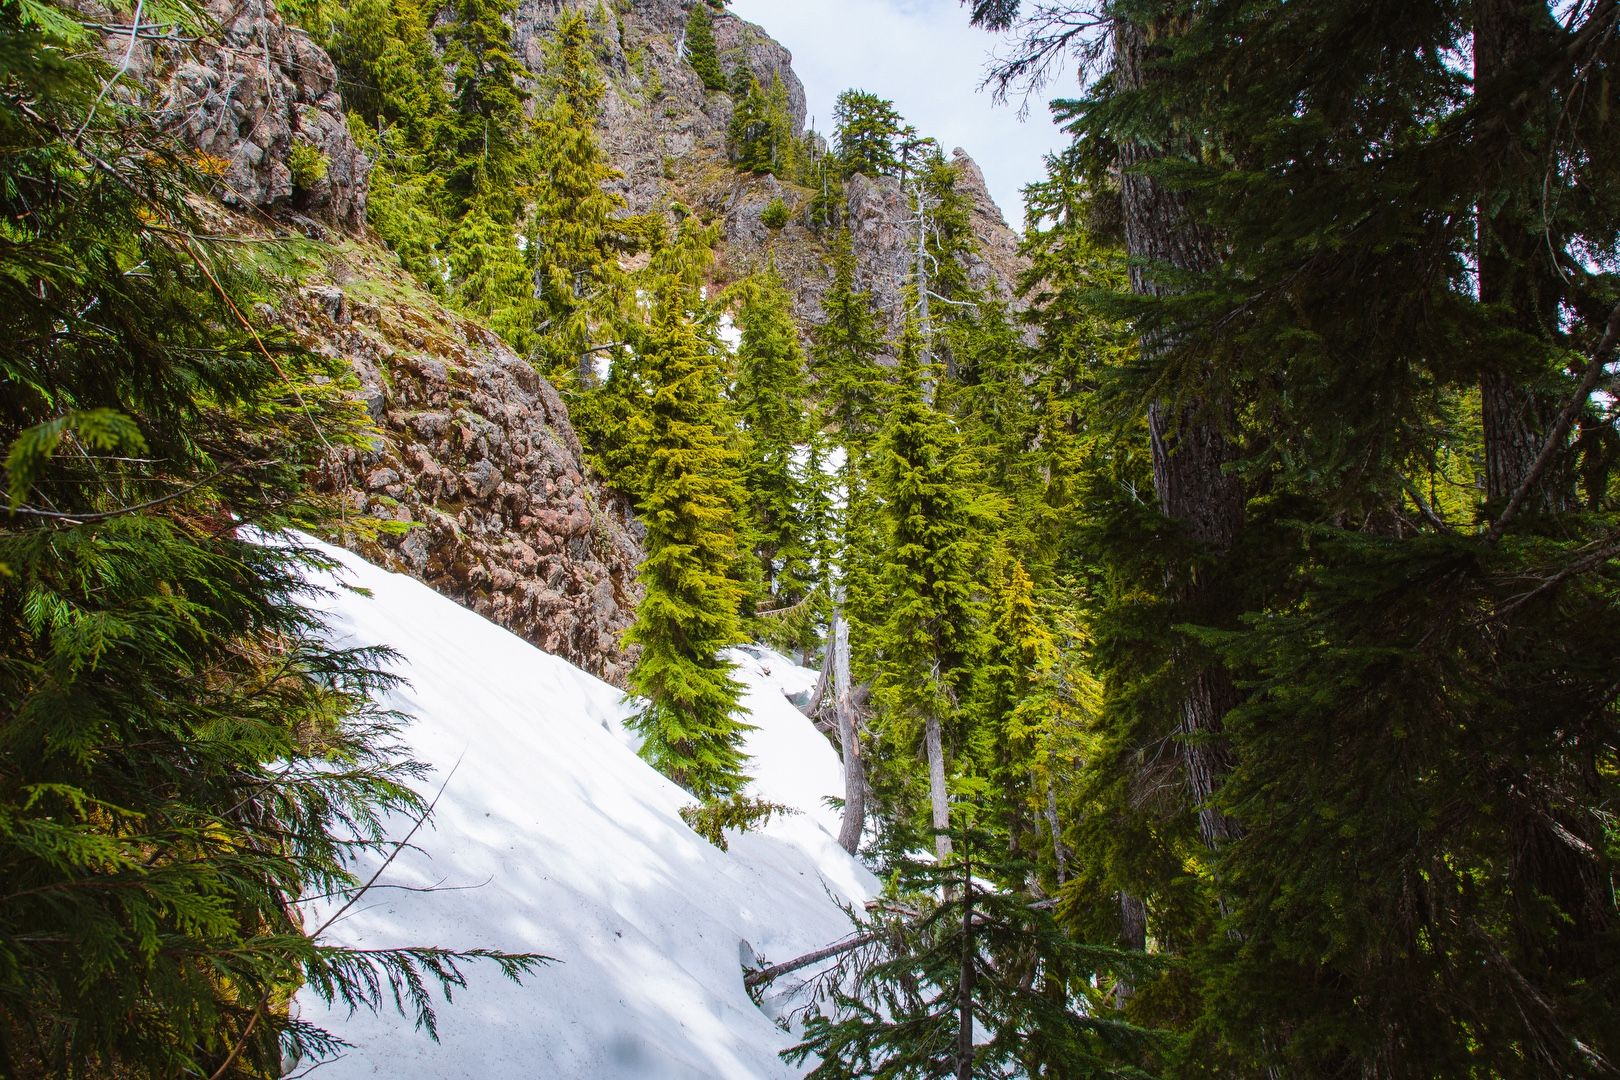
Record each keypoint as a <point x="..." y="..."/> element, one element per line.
<point x="403" y="204"/>
<point x="183" y="754"/>
<point x="701" y="51"/>
<point x="760" y="135"/>
<point x="942" y="945"/>
<point x="775" y="215"/>
<point x="691" y="503"/>
<point x="487" y="130"/>
<point x="771" y="396"/>
<point x="492" y="279"/>
<point x="935" y="518"/>
<point x="866" y="134"/>
<point x="711" y="818"/>
<point x="576" y="231"/>
<point x="1419" y="759"/>
<point x="844" y="350"/>
<point x="307" y="165"/>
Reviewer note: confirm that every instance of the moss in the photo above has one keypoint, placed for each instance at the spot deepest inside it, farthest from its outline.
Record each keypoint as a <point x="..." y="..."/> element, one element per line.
<point x="308" y="167"/>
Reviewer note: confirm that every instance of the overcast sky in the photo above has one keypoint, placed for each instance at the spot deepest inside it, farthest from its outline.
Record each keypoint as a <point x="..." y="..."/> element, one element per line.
<point x="923" y="56"/>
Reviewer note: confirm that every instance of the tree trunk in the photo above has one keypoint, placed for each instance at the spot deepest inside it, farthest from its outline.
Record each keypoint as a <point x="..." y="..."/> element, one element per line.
<point x="1133" y="936"/>
<point x="1060" y="850"/>
<point x="849" y="834"/>
<point x="1514" y="271"/>
<point x="1188" y="441"/>
<point x="934" y="745"/>
<point x="964" y="994"/>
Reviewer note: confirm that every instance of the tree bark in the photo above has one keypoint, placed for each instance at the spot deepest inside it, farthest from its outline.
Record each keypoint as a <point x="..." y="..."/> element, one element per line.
<point x="934" y="746"/>
<point x="1060" y="850"/>
<point x="849" y="834"/>
<point x="1515" y="273"/>
<point x="1133" y="936"/>
<point x="1190" y="449"/>
<point x="964" y="994"/>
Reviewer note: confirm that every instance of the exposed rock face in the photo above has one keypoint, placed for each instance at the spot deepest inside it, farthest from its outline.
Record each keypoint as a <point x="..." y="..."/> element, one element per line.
<point x="477" y="471"/>
<point x="667" y="135"/>
<point x="477" y="474"/>
<point x="245" y="96"/>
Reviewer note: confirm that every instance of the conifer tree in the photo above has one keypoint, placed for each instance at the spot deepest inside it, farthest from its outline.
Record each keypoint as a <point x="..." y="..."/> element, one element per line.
<point x="866" y="131"/>
<point x="690" y="502"/>
<point x="844" y="349"/>
<point x="490" y="131"/>
<point x="933" y="516"/>
<point x="958" y="979"/>
<point x="492" y="278"/>
<point x="1366" y="268"/>
<point x="184" y="755"/>
<point x="576" y="233"/>
<point x="701" y="51"/>
<point x="771" y="396"/>
<point x="760" y="132"/>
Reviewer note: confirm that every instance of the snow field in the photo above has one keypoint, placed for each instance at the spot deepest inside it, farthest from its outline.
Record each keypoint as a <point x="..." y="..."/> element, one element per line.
<point x="551" y="836"/>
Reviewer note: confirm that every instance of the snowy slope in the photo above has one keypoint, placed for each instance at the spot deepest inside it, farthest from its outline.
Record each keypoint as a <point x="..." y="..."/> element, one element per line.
<point x="553" y="837"/>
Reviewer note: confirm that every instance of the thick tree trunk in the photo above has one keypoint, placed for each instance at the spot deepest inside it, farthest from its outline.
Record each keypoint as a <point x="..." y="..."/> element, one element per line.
<point x="1515" y="273"/>
<point x="849" y="834"/>
<point x="1133" y="936"/>
<point x="1190" y="448"/>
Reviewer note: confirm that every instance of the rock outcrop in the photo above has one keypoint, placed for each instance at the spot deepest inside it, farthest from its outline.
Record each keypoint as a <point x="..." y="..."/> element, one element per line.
<point x="476" y="483"/>
<point x="667" y="135"/>
<point x="259" y="100"/>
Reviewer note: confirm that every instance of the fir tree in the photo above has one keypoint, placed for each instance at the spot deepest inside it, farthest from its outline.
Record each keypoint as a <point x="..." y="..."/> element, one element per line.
<point x="770" y="394"/>
<point x="490" y="132"/>
<point x="492" y="278"/>
<point x="963" y="980"/>
<point x="184" y="756"/>
<point x="1363" y="271"/>
<point x="760" y="132"/>
<point x="701" y="51"/>
<point x="690" y="504"/>
<point x="866" y="130"/>
<point x="932" y="514"/>
<point x="844" y="351"/>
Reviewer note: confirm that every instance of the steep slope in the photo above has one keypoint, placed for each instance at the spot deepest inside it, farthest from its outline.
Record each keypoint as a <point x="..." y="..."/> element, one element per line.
<point x="552" y="836"/>
<point x="476" y="471"/>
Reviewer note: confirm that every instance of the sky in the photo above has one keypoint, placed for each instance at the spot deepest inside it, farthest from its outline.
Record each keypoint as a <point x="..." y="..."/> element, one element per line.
<point x="923" y="56"/>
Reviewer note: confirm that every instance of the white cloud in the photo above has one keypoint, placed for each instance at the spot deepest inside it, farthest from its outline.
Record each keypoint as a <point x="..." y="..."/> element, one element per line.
<point x="925" y="57"/>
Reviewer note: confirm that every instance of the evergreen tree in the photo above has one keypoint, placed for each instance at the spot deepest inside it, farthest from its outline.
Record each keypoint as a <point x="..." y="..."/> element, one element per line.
<point x="489" y="132"/>
<point x="577" y="232"/>
<point x="963" y="980"/>
<point x="771" y="396"/>
<point x="933" y="514"/>
<point x="1364" y="271"/>
<point x="690" y="504"/>
<point x="184" y="756"/>
<point x="866" y="131"/>
<point x="701" y="51"/>
<point x="760" y="132"/>
<point x="492" y="279"/>
<point x="844" y="350"/>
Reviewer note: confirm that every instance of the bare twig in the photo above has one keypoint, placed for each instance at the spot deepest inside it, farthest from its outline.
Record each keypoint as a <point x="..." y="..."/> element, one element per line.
<point x="1560" y="429"/>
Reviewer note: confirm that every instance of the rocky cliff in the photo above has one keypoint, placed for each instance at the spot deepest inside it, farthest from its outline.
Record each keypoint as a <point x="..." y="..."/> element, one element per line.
<point x="476" y="473"/>
<point x="475" y="476"/>
<point x="667" y="136"/>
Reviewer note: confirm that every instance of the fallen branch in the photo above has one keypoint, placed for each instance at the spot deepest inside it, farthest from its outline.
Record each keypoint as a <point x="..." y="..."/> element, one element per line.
<point x="776" y="971"/>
